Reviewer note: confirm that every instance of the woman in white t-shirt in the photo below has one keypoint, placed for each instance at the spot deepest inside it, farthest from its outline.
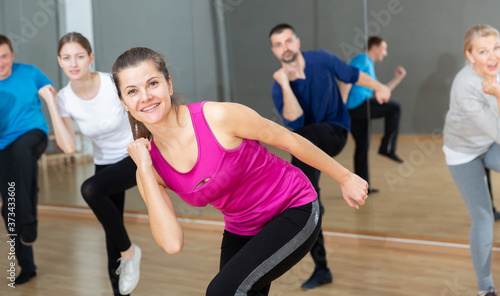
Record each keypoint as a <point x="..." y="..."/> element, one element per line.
<point x="90" y="99"/>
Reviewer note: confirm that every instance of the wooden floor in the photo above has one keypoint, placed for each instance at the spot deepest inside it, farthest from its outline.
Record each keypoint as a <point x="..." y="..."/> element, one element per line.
<point x="410" y="239"/>
<point x="71" y="260"/>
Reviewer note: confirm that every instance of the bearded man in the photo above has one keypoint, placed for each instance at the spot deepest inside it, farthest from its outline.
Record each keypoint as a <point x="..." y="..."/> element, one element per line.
<point x="308" y="99"/>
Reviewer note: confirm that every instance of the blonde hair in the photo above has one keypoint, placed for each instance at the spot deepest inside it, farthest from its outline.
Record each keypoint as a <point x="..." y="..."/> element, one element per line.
<point x="476" y="31"/>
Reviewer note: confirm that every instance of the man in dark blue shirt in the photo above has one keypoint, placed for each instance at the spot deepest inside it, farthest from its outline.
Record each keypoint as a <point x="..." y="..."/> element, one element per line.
<point x="307" y="97"/>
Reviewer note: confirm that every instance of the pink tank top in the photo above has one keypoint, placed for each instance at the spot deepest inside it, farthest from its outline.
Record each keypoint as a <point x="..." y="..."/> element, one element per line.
<point x="248" y="184"/>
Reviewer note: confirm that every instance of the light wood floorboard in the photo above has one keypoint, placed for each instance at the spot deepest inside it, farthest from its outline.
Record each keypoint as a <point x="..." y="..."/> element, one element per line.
<point x="71" y="260"/>
<point x="418" y="200"/>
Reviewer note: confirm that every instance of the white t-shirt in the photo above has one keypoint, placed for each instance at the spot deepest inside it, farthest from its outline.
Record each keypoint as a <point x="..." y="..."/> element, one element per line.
<point x="456" y="158"/>
<point x="103" y="119"/>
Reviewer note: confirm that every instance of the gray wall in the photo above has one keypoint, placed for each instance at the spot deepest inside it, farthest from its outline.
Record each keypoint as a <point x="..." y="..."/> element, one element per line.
<point x="181" y="30"/>
<point x="424" y="36"/>
<point x="248" y="27"/>
<point x="32" y="27"/>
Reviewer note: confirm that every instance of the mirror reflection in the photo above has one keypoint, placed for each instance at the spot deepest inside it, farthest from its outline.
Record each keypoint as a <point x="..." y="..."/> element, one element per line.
<point x="220" y="50"/>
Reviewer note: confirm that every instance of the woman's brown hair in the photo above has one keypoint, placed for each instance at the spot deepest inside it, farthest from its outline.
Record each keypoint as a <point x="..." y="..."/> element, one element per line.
<point x="74" y="37"/>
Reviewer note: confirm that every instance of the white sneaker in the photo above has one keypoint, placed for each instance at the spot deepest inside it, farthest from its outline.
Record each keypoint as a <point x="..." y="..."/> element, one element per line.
<point x="128" y="271"/>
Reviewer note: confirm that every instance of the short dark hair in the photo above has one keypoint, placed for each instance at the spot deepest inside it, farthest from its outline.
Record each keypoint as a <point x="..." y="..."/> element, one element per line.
<point x="375" y="41"/>
<point x="5" y="40"/>
<point x="279" y="28"/>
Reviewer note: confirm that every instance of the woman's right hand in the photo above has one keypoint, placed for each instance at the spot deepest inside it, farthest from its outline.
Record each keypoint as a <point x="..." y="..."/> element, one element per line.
<point x="491" y="87"/>
<point x="139" y="151"/>
<point x="354" y="190"/>
<point x="48" y="93"/>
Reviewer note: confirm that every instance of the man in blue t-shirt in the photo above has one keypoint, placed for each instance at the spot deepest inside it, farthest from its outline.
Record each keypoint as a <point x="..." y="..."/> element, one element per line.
<point x="23" y="139"/>
<point x="307" y="97"/>
<point x="363" y="106"/>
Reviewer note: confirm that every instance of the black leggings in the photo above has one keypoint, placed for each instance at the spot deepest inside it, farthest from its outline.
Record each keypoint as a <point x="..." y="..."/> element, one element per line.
<point x="391" y="112"/>
<point x="19" y="170"/>
<point x="331" y="139"/>
<point x="105" y="194"/>
<point x="249" y="264"/>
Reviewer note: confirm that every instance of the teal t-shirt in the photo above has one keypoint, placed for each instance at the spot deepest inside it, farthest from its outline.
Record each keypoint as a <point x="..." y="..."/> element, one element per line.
<point x="359" y="94"/>
<point x="20" y="107"/>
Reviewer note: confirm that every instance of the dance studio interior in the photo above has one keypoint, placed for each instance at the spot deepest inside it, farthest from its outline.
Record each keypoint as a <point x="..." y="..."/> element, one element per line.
<point x="414" y="228"/>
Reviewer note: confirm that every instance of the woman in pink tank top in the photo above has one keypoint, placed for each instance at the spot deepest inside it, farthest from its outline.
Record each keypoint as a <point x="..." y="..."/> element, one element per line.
<point x="210" y="153"/>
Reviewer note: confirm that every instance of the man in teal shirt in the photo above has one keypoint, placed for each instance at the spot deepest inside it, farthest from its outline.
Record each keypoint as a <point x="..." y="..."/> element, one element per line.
<point x="363" y="106"/>
<point x="23" y="139"/>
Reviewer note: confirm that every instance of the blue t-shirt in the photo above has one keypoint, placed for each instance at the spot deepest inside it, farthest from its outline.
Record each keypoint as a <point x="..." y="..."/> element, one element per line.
<point x="318" y="94"/>
<point x="20" y="107"/>
<point x="359" y="94"/>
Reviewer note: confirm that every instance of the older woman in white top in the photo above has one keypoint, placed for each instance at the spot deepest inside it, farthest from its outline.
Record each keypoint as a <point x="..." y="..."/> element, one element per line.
<point x="471" y="141"/>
